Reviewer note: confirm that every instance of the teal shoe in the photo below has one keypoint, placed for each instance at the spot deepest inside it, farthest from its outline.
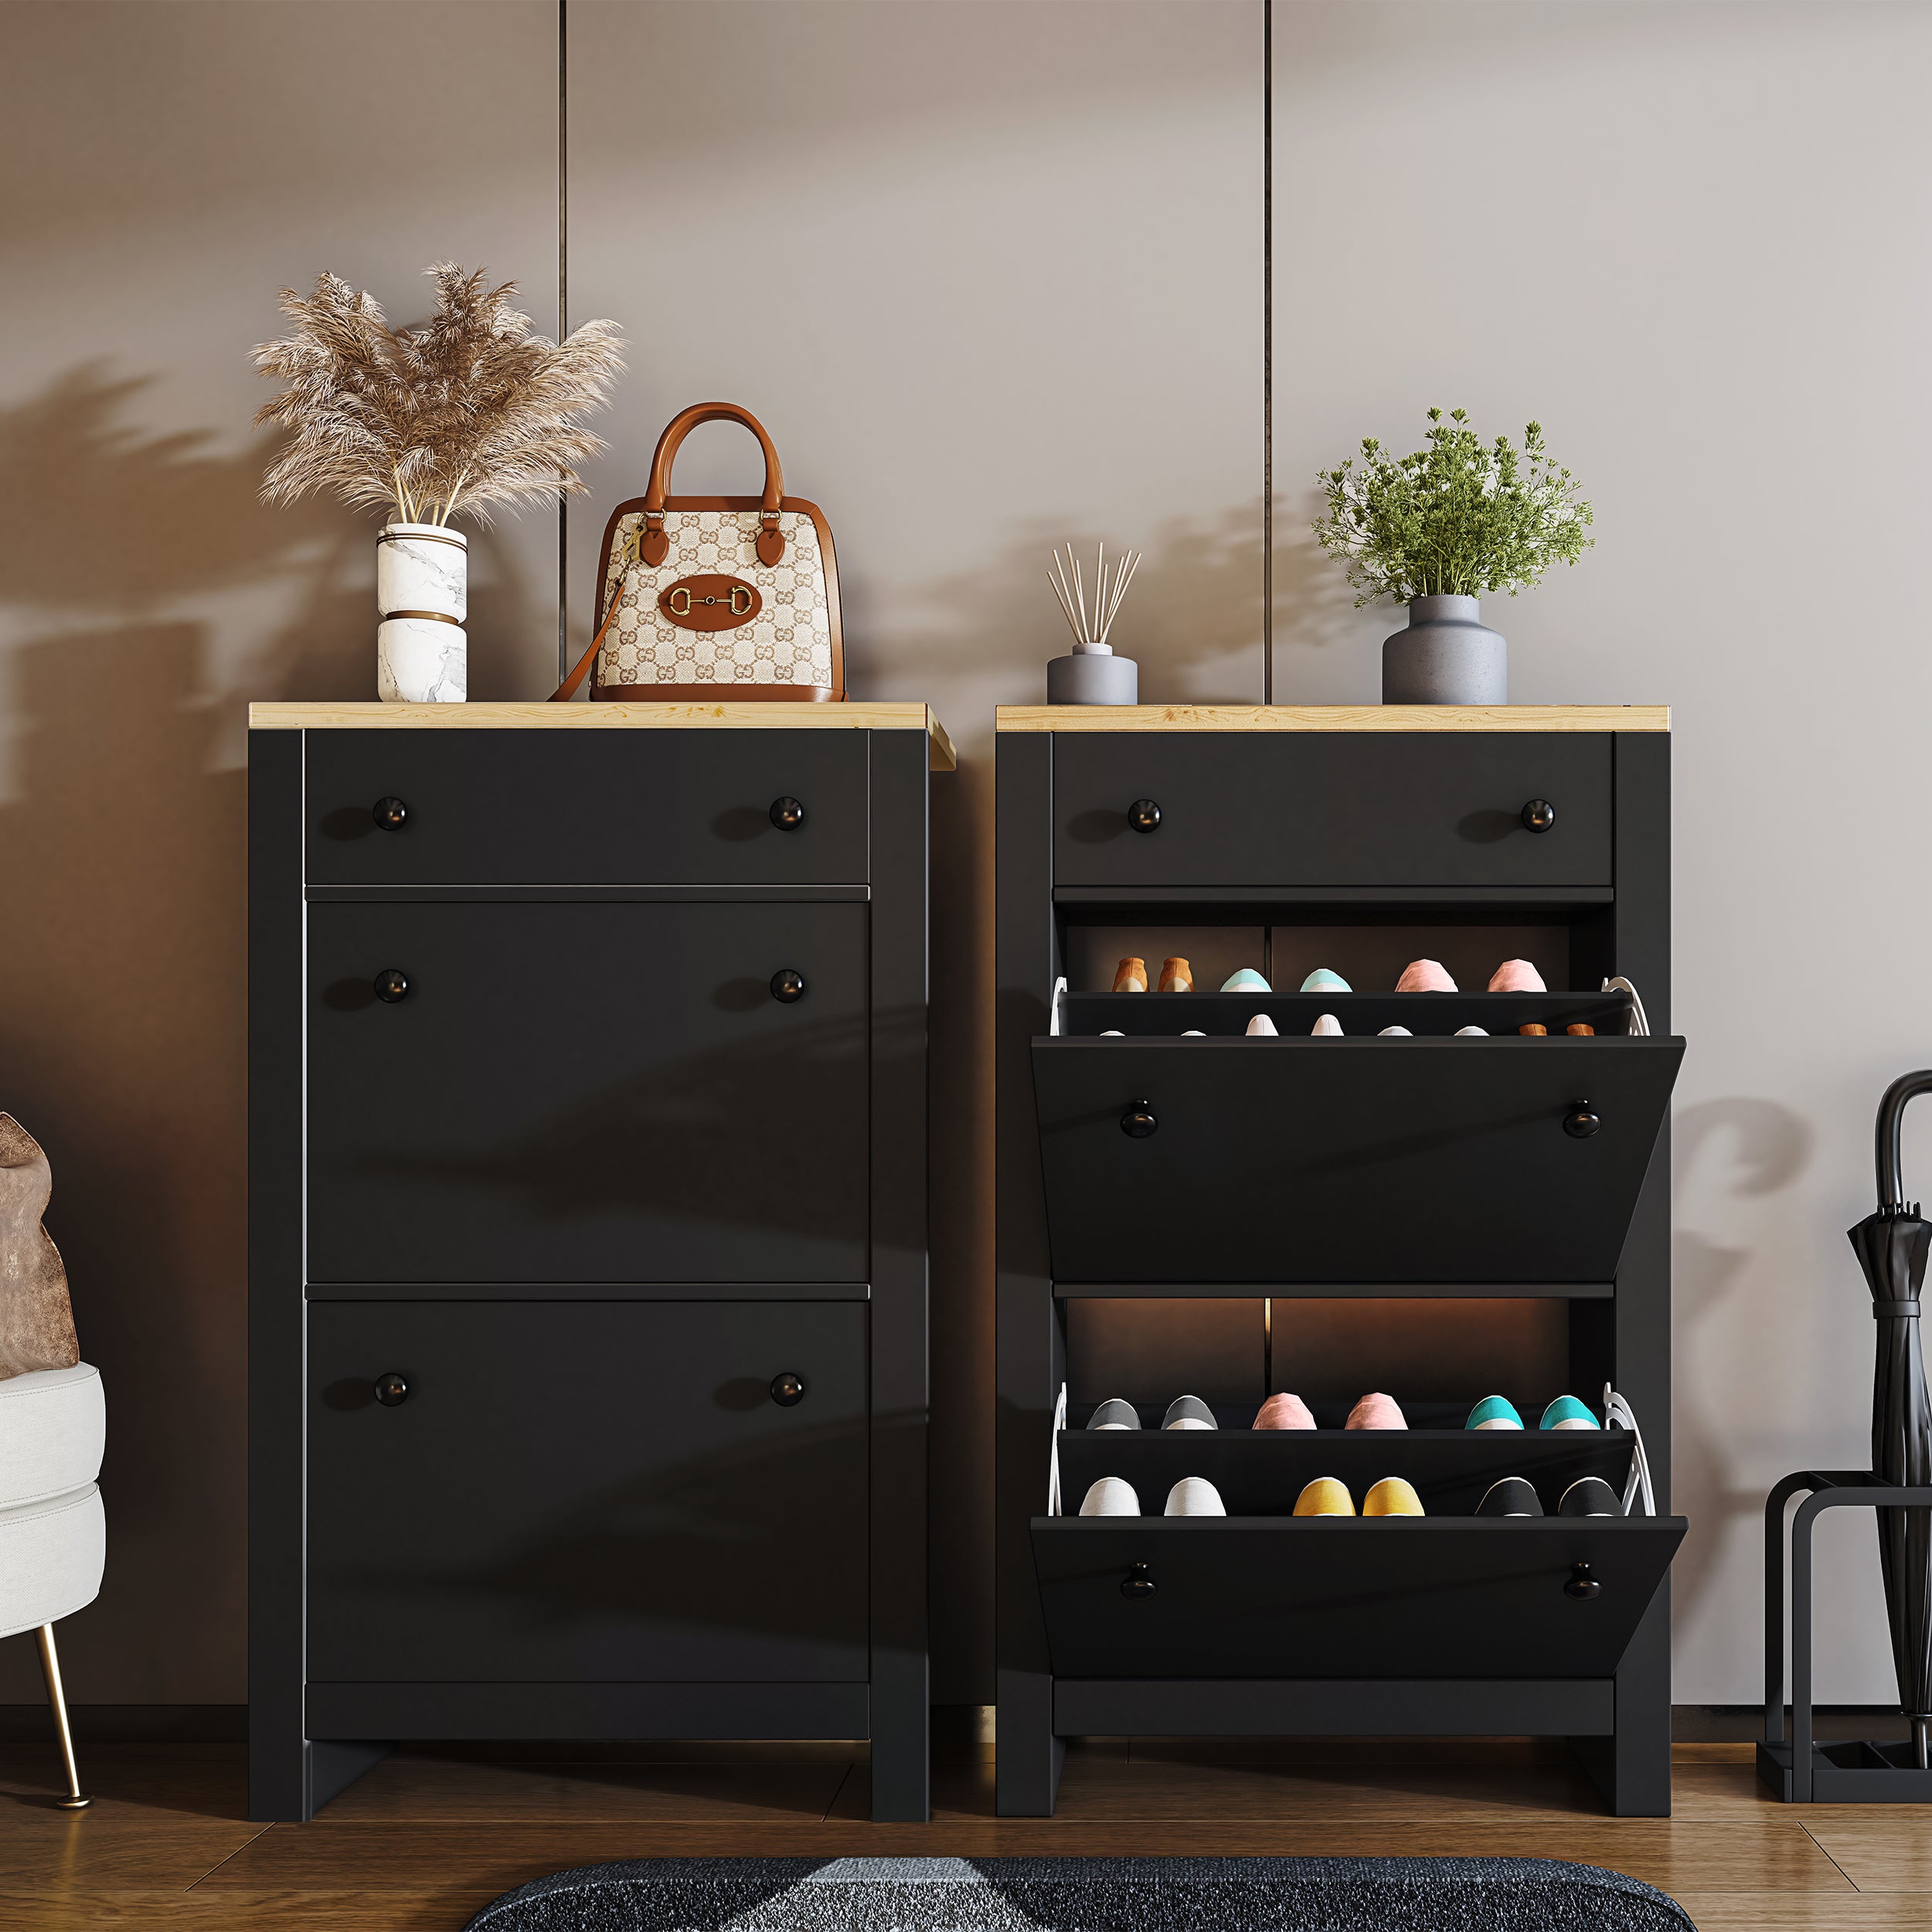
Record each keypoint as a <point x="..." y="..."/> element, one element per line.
<point x="1322" y="981"/>
<point x="1567" y="1413"/>
<point x="1246" y="981"/>
<point x="1494" y="1412"/>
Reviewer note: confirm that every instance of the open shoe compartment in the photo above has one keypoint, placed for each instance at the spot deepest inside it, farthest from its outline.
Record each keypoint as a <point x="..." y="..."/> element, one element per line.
<point x="1299" y="1160"/>
<point x="1260" y="1472"/>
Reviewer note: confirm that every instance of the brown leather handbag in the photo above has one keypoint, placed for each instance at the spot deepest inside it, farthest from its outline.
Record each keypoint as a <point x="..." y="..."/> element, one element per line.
<point x="715" y="596"/>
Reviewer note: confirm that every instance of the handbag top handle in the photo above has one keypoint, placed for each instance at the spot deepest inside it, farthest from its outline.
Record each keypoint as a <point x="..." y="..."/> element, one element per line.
<point x="653" y="545"/>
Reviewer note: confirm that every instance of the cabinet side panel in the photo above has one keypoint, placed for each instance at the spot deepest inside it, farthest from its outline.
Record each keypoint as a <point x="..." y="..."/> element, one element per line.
<point x="1635" y="1776"/>
<point x="277" y="1751"/>
<point x="1024" y="950"/>
<point x="900" y="1398"/>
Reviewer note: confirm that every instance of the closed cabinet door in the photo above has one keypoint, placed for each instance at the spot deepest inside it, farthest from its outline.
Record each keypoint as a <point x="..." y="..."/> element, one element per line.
<point x="1452" y="809"/>
<point x="595" y="1093"/>
<point x="586" y="807"/>
<point x="514" y="1491"/>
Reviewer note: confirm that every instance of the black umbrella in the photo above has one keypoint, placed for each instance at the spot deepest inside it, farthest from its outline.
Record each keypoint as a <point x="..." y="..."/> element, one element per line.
<point x="1891" y="1246"/>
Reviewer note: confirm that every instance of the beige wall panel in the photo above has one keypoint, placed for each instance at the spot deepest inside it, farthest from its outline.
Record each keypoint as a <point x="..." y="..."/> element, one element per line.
<point x="991" y="274"/>
<point x="167" y="167"/>
<point x="1688" y="240"/>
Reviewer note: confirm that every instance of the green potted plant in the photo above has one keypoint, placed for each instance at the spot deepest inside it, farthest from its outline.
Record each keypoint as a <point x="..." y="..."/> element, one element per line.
<point x="1435" y="530"/>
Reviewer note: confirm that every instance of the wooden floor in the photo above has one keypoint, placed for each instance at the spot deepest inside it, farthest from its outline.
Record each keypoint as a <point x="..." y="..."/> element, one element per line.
<point x="425" y="1839"/>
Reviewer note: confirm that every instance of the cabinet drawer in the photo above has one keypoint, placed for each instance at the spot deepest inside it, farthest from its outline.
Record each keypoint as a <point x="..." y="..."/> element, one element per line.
<point x="1346" y="1160"/>
<point x="587" y="807"/>
<point x="1432" y="1596"/>
<point x="587" y="1092"/>
<point x="1368" y="809"/>
<point x="604" y="1491"/>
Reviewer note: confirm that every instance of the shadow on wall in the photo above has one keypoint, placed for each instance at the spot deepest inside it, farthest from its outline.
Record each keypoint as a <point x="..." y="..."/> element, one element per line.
<point x="1768" y="1147"/>
<point x="1194" y="606"/>
<point x="122" y="983"/>
<point x="1193" y="621"/>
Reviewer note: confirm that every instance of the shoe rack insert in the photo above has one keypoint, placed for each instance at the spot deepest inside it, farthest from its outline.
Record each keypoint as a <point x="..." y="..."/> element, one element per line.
<point x="1500" y="1180"/>
<point x="588" y="1230"/>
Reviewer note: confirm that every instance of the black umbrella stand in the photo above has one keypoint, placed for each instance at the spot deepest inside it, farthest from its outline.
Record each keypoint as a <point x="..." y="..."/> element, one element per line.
<point x="1891" y="1245"/>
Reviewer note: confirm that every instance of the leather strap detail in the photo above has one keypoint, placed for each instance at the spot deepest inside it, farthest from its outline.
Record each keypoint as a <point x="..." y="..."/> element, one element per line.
<point x="568" y="688"/>
<point x="771" y="541"/>
<point x="433" y="617"/>
<point x="1895" y="1310"/>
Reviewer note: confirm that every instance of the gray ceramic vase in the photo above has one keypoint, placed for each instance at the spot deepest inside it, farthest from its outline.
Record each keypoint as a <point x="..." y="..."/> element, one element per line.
<point x="1445" y="657"/>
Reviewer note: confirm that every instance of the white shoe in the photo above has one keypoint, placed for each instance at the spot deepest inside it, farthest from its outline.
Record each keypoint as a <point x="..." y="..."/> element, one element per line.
<point x="1261" y="1027"/>
<point x="1111" y="1496"/>
<point x="1195" y="1496"/>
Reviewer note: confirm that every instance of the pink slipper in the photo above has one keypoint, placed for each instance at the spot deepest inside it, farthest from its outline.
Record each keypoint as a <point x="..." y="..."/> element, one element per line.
<point x="1377" y="1412"/>
<point x="1517" y="976"/>
<point x="1424" y="976"/>
<point x="1284" y="1411"/>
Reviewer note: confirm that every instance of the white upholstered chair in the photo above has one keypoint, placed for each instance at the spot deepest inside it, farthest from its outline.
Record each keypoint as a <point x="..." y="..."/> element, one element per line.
<point x="53" y="1427"/>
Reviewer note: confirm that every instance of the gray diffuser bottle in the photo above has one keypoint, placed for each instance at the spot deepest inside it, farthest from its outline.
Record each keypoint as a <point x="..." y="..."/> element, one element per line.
<point x="1445" y="656"/>
<point x="1091" y="674"/>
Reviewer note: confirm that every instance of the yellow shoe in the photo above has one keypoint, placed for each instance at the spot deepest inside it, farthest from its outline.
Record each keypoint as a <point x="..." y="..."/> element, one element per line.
<point x="1325" y="1497"/>
<point x="1392" y="1497"/>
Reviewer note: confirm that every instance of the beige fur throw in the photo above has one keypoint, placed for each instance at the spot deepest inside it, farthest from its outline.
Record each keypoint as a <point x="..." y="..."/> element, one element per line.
<point x="37" y="1322"/>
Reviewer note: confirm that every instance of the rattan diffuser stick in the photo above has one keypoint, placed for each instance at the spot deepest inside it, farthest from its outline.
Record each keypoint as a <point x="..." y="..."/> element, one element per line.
<point x="1069" y="590"/>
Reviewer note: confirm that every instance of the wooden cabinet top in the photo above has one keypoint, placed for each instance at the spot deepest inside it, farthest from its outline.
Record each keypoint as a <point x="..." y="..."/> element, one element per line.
<point x="1334" y="717"/>
<point x="610" y="716"/>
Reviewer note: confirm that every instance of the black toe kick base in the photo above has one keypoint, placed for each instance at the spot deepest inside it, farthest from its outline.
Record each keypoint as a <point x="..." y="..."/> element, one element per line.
<point x="589" y="1710"/>
<point x="1276" y="1707"/>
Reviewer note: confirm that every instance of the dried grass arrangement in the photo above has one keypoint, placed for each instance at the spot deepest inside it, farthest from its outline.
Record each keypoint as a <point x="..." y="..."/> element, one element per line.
<point x="470" y="410"/>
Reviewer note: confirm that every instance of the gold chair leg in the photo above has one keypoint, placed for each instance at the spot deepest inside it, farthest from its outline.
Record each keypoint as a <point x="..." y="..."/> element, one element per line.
<point x="75" y="1799"/>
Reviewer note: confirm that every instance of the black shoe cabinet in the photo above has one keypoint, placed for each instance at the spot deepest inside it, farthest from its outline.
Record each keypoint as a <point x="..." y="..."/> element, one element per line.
<point x="1518" y="1186"/>
<point x="588" y="1230"/>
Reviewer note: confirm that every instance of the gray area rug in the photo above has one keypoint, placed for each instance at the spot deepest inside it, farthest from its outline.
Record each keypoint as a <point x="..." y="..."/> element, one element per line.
<point x="1085" y="1895"/>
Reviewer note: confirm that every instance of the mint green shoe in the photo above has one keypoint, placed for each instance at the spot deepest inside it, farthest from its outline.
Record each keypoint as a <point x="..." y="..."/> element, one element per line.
<point x="1567" y="1413"/>
<point x="1494" y="1412"/>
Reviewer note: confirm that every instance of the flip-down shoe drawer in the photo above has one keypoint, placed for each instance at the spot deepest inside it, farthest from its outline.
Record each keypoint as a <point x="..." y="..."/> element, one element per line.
<point x="1430" y="1597"/>
<point x="1346" y="1160"/>
<point x="587" y="807"/>
<point x="1406" y="809"/>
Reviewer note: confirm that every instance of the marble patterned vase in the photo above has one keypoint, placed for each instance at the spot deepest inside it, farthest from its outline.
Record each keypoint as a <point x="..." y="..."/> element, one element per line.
<point x="422" y="597"/>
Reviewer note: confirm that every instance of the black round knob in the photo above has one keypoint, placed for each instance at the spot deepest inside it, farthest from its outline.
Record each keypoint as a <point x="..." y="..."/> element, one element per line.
<point x="1138" y="1121"/>
<point x="787" y="1389"/>
<point x="1581" y="1121"/>
<point x="1136" y="1582"/>
<point x="787" y="814"/>
<point x="1144" y="815"/>
<point x="390" y="813"/>
<point x="1539" y="815"/>
<point x="392" y="983"/>
<point x="787" y="986"/>
<point x="392" y="1388"/>
<point x="1582" y="1584"/>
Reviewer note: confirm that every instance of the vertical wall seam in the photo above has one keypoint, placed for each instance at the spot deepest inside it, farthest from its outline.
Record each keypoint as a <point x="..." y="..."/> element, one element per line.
<point x="1268" y="351"/>
<point x="563" y="314"/>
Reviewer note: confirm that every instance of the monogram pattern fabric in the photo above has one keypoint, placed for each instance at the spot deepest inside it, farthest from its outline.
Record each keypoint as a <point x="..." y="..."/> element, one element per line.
<point x="788" y="641"/>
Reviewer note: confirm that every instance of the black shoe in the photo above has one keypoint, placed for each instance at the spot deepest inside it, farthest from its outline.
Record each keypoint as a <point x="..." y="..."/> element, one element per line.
<point x="1510" y="1496"/>
<point x="1590" y="1496"/>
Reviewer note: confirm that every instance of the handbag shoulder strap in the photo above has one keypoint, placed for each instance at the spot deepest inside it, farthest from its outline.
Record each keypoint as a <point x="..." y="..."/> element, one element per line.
<point x="568" y="688"/>
<point x="653" y="545"/>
